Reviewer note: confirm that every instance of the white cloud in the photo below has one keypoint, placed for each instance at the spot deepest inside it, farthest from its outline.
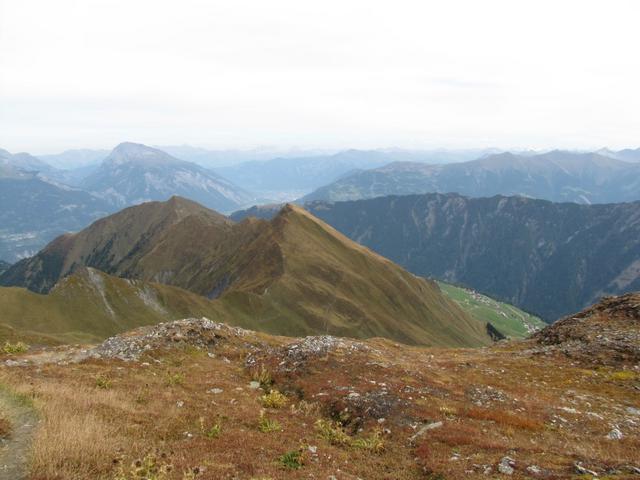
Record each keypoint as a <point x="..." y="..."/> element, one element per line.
<point x="332" y="73"/>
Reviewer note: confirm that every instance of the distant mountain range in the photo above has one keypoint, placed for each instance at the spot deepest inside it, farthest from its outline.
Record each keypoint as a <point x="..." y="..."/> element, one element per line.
<point x="546" y="258"/>
<point x="288" y="178"/>
<point x="293" y="275"/>
<point x="23" y="162"/>
<point x="557" y="176"/>
<point x="77" y="158"/>
<point x="34" y="211"/>
<point x="628" y="154"/>
<point x="134" y="173"/>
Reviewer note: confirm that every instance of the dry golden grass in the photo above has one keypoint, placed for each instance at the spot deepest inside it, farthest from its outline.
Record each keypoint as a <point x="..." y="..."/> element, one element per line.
<point x="74" y="440"/>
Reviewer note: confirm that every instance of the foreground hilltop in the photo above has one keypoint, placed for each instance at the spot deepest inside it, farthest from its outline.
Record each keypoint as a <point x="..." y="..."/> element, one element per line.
<point x="199" y="399"/>
<point x="292" y="275"/>
<point x="607" y="333"/>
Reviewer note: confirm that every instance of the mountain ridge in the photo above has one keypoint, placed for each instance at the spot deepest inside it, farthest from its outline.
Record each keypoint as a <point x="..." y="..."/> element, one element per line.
<point x="292" y="275"/>
<point x="557" y="176"/>
<point x="544" y="257"/>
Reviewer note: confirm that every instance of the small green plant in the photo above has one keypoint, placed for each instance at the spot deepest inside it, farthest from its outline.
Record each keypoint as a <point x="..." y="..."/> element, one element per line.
<point x="623" y="375"/>
<point x="103" y="382"/>
<point x="273" y="399"/>
<point x="148" y="468"/>
<point x="263" y="377"/>
<point x="265" y="425"/>
<point x="210" y="432"/>
<point x="373" y="442"/>
<point x="308" y="409"/>
<point x="292" y="460"/>
<point x="332" y="432"/>
<point x="214" y="431"/>
<point x="14" y="348"/>
<point x="175" y="379"/>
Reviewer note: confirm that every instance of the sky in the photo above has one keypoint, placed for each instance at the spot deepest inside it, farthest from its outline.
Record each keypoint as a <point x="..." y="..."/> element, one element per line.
<point x="319" y="74"/>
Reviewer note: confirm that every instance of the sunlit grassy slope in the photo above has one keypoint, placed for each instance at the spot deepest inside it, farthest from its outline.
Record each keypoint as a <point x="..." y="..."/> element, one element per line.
<point x="509" y="320"/>
<point x="294" y="275"/>
<point x="91" y="305"/>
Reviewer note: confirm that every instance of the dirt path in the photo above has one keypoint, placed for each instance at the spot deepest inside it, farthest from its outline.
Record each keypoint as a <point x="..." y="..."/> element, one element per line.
<point x="15" y="450"/>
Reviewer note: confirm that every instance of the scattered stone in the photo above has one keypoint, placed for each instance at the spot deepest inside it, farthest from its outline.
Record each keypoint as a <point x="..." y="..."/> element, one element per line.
<point x="615" y="434"/>
<point x="254" y="385"/>
<point x="215" y="391"/>
<point x="506" y="466"/>
<point x="534" y="469"/>
<point x="179" y="404"/>
<point x="197" y="332"/>
<point x="584" y="471"/>
<point x="424" y="429"/>
<point x="633" y="411"/>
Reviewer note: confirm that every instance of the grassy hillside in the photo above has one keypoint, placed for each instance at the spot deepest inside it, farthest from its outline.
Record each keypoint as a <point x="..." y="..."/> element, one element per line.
<point x="91" y="305"/>
<point x="509" y="320"/>
<point x="293" y="275"/>
<point x="306" y="278"/>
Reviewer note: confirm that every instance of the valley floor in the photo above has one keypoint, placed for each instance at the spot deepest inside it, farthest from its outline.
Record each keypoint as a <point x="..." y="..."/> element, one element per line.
<point x="190" y="401"/>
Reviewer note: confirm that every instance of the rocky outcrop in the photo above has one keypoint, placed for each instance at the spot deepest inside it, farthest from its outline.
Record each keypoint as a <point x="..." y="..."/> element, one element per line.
<point x="606" y="333"/>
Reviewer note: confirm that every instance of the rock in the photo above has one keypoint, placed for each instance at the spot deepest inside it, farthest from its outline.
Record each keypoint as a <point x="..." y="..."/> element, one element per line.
<point x="215" y="391"/>
<point x="633" y="411"/>
<point x="615" y="434"/>
<point x="254" y="385"/>
<point x="584" y="471"/>
<point x="424" y="429"/>
<point x="198" y="332"/>
<point x="534" y="469"/>
<point x="506" y="465"/>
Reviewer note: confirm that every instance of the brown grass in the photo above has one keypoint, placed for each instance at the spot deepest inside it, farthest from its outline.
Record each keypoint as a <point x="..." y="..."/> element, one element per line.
<point x="73" y="437"/>
<point x="505" y="418"/>
<point x="5" y="427"/>
<point x="86" y="427"/>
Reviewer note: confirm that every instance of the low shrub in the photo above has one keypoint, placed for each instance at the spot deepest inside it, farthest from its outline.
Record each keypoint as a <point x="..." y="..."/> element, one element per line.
<point x="266" y="425"/>
<point x="332" y="432"/>
<point x="292" y="460"/>
<point x="14" y="348"/>
<point x="273" y="399"/>
<point x="372" y="443"/>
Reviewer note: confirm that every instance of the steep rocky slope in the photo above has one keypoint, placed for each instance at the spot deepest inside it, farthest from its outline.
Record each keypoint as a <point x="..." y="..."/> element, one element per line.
<point x="606" y="333"/>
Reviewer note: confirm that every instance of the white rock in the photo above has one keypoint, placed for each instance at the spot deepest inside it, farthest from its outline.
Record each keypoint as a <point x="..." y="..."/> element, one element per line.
<point x="506" y="465"/>
<point x="615" y="434"/>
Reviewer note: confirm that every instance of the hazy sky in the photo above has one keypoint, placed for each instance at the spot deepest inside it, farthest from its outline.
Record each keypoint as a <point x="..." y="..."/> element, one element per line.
<point x="323" y="73"/>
